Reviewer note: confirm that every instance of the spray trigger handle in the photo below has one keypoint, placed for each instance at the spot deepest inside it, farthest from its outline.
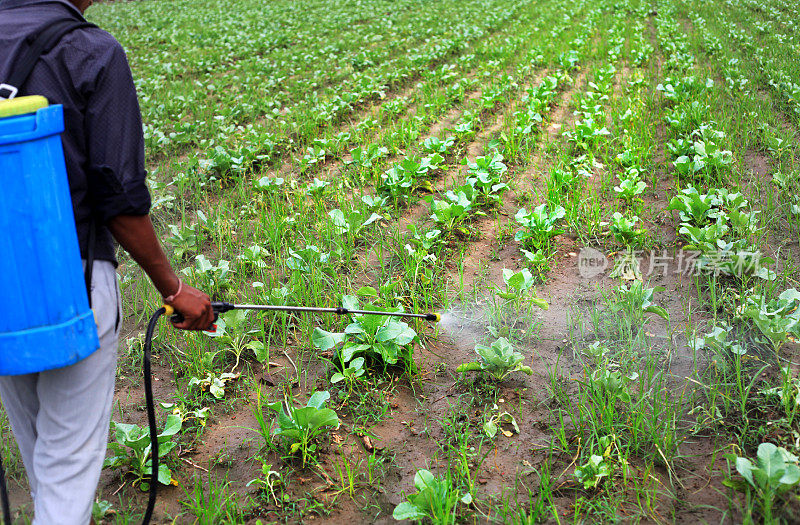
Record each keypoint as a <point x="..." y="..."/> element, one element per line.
<point x="219" y="307"/>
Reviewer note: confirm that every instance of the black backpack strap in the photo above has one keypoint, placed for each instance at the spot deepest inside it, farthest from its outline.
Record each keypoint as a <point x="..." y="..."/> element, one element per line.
<point x="41" y="44"/>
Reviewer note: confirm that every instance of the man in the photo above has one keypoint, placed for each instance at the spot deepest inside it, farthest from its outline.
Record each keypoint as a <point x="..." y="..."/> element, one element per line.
<point x="61" y="417"/>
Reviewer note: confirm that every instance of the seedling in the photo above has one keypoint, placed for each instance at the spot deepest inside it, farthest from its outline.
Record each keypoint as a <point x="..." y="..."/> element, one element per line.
<point x="351" y="373"/>
<point x="131" y="450"/>
<point x="352" y="222"/>
<point x="774" y="472"/>
<point x="253" y="257"/>
<point x="498" y="360"/>
<point x="636" y="300"/>
<point x="437" y="145"/>
<point x="624" y="230"/>
<point x="299" y="427"/>
<point x="630" y="185"/>
<point x="213" y="383"/>
<point x="215" y="277"/>
<point x="183" y="240"/>
<point x="269" y="481"/>
<point x="269" y="185"/>
<point x="383" y="340"/>
<point x="495" y="421"/>
<point x="435" y="500"/>
<point x="778" y="320"/>
<point x="593" y="472"/>
<point x="368" y="157"/>
<point x="538" y="226"/>
<point x="517" y="286"/>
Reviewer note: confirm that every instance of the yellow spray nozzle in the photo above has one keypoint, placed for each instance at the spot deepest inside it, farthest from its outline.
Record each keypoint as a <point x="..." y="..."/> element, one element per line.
<point x="168" y="310"/>
<point x="433" y="316"/>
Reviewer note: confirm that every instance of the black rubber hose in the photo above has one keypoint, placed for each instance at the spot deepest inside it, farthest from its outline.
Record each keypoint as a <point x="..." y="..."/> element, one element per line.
<point x="4" y="491"/>
<point x="151" y="413"/>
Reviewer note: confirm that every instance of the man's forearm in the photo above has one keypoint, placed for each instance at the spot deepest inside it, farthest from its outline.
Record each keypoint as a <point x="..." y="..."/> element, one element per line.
<point x="136" y="235"/>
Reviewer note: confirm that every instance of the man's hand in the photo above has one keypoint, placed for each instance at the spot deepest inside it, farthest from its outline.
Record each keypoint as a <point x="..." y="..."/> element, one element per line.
<point x="136" y="235"/>
<point x="195" y="307"/>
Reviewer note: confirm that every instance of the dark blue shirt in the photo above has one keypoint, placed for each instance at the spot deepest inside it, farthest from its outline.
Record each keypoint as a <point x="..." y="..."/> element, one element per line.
<point x="88" y="73"/>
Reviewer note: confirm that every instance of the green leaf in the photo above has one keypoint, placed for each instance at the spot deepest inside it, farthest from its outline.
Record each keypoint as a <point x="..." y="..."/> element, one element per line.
<point x="323" y="418"/>
<point x="259" y="349"/>
<point x="350" y="350"/>
<point x="396" y="331"/>
<point x="164" y="474"/>
<point x="469" y="367"/>
<point x="490" y="428"/>
<point x="350" y="302"/>
<point x="771" y="462"/>
<point x="408" y="511"/>
<point x="318" y="399"/>
<point x="326" y="340"/>
<point x="367" y="291"/>
<point x="423" y="479"/>
<point x="339" y="221"/>
<point x="541" y="303"/>
<point x="791" y="475"/>
<point x="217" y="388"/>
<point x="659" y="311"/>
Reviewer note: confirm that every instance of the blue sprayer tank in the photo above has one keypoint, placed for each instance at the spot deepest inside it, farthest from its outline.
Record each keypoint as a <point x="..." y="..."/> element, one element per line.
<point x="45" y="320"/>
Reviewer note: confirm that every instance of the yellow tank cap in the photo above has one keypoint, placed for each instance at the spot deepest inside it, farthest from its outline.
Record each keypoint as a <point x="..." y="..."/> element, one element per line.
<point x="22" y="105"/>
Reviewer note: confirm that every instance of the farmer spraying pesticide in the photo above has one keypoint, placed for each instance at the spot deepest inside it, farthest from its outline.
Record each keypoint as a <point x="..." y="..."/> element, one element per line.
<point x="58" y="359"/>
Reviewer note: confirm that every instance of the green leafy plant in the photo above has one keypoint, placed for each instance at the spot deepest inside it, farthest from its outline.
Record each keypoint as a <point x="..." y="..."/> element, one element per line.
<point x="451" y="212"/>
<point x="517" y="287"/>
<point x="183" y="240"/>
<point x="437" y="145"/>
<point x="383" y="339"/>
<point x="253" y="257"/>
<point x="624" y="230"/>
<point x="131" y="450"/>
<point x="214" y="277"/>
<point x="427" y="241"/>
<point x="498" y="360"/>
<point x="587" y="133"/>
<point x="368" y="157"/>
<point x="299" y="427"/>
<point x="636" y="299"/>
<point x="233" y="336"/>
<point x="351" y="373"/>
<point x="630" y="184"/>
<point x="213" y="383"/>
<point x="306" y="259"/>
<point x="593" y="472"/>
<point x="268" y="184"/>
<point x="496" y="418"/>
<point x="351" y="222"/>
<point x="774" y="472"/>
<point x="778" y="320"/>
<point x="193" y="416"/>
<point x="717" y="339"/>
<point x="485" y="174"/>
<point x="269" y="481"/>
<point x="435" y="499"/>
<point x="610" y="386"/>
<point x="538" y="226"/>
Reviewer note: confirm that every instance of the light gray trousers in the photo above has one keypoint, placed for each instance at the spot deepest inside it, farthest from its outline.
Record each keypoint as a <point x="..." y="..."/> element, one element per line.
<point x="60" y="417"/>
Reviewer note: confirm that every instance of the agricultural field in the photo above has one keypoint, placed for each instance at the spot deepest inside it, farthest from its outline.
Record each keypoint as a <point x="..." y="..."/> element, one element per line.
<point x="601" y="197"/>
